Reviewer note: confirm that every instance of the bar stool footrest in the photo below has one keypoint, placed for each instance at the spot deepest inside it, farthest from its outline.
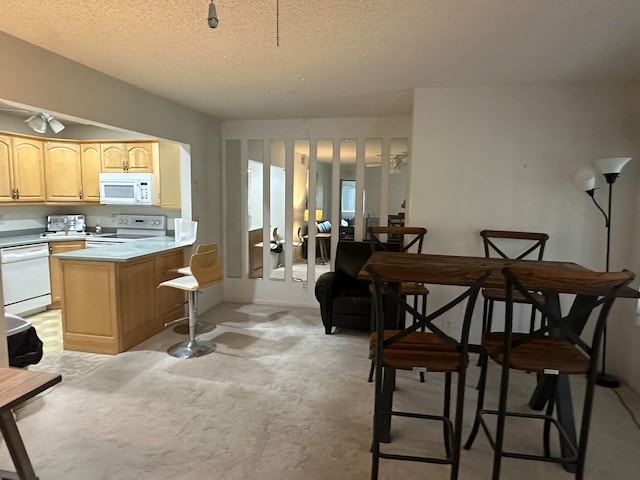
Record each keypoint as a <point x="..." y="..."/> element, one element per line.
<point x="527" y="456"/>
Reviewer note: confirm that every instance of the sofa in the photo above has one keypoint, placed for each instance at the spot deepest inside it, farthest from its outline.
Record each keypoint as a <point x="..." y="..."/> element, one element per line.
<point x="344" y="300"/>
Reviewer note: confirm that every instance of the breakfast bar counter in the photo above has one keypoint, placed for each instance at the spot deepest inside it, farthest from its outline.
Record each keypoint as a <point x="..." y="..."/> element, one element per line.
<point x="110" y="300"/>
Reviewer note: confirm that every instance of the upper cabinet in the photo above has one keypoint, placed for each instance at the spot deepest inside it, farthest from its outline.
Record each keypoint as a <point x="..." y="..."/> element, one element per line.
<point x="21" y="170"/>
<point x="7" y="189"/>
<point x="63" y="172"/>
<point x="90" y="160"/>
<point x="39" y="171"/>
<point x="127" y="157"/>
<point x="166" y="173"/>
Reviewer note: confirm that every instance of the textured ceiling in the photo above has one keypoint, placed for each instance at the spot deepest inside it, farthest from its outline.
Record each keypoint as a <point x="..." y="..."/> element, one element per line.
<point x="335" y="58"/>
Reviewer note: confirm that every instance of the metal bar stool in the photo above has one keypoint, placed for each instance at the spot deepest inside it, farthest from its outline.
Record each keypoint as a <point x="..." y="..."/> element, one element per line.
<point x="186" y="270"/>
<point x="554" y="351"/>
<point x="412" y="349"/>
<point x="400" y="239"/>
<point x="206" y="270"/>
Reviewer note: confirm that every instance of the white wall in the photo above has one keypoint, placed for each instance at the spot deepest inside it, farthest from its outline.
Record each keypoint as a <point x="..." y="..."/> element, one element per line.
<point x="504" y="158"/>
<point x="83" y="93"/>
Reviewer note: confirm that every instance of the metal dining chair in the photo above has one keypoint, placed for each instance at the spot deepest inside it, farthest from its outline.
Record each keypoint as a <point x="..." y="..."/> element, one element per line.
<point x="553" y="351"/>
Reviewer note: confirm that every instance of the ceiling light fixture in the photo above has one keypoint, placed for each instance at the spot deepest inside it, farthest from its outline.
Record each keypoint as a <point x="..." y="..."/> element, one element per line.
<point x="212" y="19"/>
<point x="39" y="121"/>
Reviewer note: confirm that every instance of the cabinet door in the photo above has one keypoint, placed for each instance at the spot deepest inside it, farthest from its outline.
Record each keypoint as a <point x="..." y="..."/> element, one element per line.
<point x="63" y="171"/>
<point x="28" y="169"/>
<point x="54" y="267"/>
<point x="113" y="157"/>
<point x="136" y="302"/>
<point x="139" y="157"/>
<point x="6" y="172"/>
<point x="167" y="176"/>
<point x="90" y="159"/>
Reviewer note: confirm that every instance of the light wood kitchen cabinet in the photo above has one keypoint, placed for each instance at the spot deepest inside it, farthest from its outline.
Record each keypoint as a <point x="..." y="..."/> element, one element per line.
<point x="54" y="267"/>
<point x="6" y="170"/>
<point x="166" y="175"/>
<point x="123" y="306"/>
<point x="127" y="157"/>
<point x="63" y="172"/>
<point x="21" y="169"/>
<point x="90" y="160"/>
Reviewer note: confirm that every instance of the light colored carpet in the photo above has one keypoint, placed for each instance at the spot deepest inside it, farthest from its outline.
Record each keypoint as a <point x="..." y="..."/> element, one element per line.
<point x="278" y="400"/>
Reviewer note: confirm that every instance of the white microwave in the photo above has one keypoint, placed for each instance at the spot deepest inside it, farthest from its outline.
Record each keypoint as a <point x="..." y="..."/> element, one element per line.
<point x="126" y="188"/>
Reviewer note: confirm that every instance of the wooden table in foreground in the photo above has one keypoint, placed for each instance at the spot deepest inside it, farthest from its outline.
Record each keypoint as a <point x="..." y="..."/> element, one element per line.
<point x="394" y="268"/>
<point x="17" y="386"/>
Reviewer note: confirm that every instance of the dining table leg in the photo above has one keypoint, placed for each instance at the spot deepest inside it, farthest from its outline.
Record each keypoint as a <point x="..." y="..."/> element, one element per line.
<point x="559" y="386"/>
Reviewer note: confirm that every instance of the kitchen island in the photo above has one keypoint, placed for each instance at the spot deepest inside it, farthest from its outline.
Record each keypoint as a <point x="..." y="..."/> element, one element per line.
<point x="110" y="301"/>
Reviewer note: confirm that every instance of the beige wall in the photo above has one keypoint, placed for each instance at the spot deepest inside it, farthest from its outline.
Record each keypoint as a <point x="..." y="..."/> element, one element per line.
<point x="504" y="158"/>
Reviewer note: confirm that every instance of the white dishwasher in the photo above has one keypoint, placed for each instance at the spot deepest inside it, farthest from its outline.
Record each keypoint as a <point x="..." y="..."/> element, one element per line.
<point x="25" y="278"/>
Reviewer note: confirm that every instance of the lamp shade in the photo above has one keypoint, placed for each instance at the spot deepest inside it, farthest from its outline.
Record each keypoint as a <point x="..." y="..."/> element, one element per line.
<point x="611" y="165"/>
<point x="37" y="123"/>
<point x="585" y="179"/>
<point x="318" y="215"/>
<point x="56" y="125"/>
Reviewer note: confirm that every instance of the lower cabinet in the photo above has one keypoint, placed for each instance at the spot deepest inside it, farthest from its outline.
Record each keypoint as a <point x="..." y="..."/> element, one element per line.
<point x="109" y="307"/>
<point x="54" y="267"/>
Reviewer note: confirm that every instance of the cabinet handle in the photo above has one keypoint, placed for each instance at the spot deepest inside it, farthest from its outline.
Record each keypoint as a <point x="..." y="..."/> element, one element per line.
<point x="13" y="193"/>
<point x="80" y="194"/>
<point x="17" y="194"/>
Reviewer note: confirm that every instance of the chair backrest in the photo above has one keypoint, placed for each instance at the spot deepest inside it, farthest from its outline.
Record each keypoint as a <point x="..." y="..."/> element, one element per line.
<point x="382" y="275"/>
<point x="276" y="237"/>
<point x="527" y="243"/>
<point x="206" y="247"/>
<point x="591" y="289"/>
<point x="206" y="267"/>
<point x="399" y="239"/>
<point x="351" y="257"/>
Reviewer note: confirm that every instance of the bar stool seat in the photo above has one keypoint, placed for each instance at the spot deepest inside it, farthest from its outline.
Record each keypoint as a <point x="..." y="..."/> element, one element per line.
<point x="206" y="269"/>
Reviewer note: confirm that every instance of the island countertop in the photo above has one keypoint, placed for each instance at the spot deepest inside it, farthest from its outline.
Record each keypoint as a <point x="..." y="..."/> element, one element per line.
<point x="126" y="251"/>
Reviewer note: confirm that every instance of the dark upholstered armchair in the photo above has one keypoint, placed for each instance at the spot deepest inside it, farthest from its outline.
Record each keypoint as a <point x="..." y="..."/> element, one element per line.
<point x="344" y="300"/>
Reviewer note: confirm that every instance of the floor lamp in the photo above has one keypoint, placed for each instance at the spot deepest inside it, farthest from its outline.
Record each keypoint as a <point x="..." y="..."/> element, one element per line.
<point x="610" y="168"/>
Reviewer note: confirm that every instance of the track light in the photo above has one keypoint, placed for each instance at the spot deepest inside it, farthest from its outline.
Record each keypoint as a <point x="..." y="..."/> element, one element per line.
<point x="212" y="19"/>
<point x="39" y="122"/>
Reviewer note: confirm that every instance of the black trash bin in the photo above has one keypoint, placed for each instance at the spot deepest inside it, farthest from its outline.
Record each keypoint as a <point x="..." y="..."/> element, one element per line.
<point x="23" y="344"/>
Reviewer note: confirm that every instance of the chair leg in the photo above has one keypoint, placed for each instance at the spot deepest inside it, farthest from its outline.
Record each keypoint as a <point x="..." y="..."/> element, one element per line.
<point x="480" y="403"/>
<point x="502" y="408"/>
<point x="485" y="316"/>
<point x="547" y="424"/>
<point x="383" y="401"/>
<point x="446" y="413"/>
<point x="372" y="370"/>
<point x="423" y="311"/>
<point x="457" y="433"/>
<point x="585" y="424"/>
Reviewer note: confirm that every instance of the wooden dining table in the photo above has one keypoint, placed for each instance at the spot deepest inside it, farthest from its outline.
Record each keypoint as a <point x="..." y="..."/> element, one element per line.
<point x="16" y="387"/>
<point x="394" y="268"/>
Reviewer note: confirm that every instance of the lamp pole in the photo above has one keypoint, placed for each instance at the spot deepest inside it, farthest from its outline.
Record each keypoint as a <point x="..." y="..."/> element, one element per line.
<point x="603" y="378"/>
<point x="610" y="168"/>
